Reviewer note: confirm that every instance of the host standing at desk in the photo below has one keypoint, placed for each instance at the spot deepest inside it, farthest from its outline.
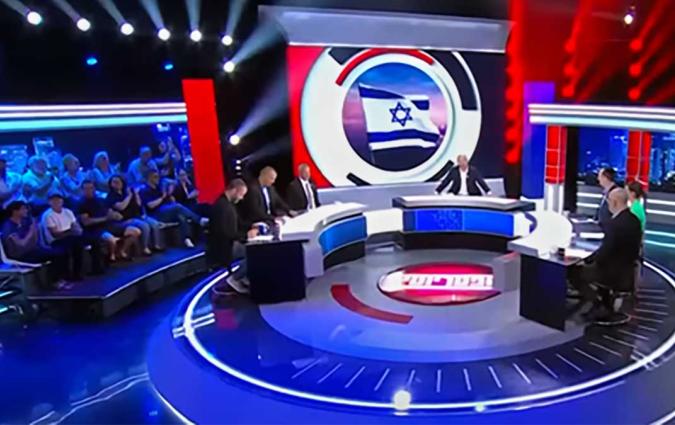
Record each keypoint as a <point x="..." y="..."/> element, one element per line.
<point x="464" y="179"/>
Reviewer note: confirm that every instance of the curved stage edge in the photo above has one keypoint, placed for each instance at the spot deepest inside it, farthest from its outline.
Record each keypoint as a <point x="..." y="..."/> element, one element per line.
<point x="205" y="387"/>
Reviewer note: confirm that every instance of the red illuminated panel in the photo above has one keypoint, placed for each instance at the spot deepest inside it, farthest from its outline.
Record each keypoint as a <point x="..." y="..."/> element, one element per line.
<point x="300" y="61"/>
<point x="638" y="157"/>
<point x="200" y="100"/>
<point x="556" y="151"/>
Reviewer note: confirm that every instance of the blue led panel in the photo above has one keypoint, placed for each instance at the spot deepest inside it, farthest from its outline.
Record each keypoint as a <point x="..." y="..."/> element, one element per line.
<point x="342" y="234"/>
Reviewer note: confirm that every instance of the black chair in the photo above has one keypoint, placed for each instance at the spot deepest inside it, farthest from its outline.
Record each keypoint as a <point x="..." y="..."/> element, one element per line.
<point x="614" y="297"/>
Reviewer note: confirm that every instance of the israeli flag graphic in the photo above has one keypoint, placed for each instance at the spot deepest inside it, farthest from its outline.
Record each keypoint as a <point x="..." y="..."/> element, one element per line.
<point x="397" y="121"/>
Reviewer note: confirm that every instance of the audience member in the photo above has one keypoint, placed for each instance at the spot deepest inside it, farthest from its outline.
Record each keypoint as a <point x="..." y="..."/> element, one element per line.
<point x="606" y="178"/>
<point x="38" y="182"/>
<point x="301" y="193"/>
<point x="72" y="177"/>
<point x="169" y="158"/>
<point x="613" y="263"/>
<point x="185" y="192"/>
<point x="10" y="184"/>
<point x="141" y="166"/>
<point x="101" y="171"/>
<point x="127" y="202"/>
<point x="64" y="234"/>
<point x="636" y="197"/>
<point x="102" y="223"/>
<point x="21" y="240"/>
<point x="262" y="203"/>
<point x="159" y="203"/>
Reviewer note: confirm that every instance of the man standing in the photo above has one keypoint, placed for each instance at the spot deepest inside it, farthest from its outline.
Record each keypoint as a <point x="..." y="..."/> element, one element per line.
<point x="464" y="179"/>
<point x="613" y="263"/>
<point x="301" y="193"/>
<point x="262" y="203"/>
<point x="606" y="178"/>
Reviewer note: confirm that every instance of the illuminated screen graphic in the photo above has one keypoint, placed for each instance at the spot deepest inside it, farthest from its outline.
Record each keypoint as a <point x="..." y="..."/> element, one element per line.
<point x="379" y="116"/>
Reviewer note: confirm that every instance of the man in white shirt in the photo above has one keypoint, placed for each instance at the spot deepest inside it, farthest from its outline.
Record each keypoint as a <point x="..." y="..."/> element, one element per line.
<point x="302" y="194"/>
<point x="64" y="234"/>
<point x="464" y="179"/>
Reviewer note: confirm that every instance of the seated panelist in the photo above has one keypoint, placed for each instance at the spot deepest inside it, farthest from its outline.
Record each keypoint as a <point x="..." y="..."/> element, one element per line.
<point x="262" y="203"/>
<point x="301" y="194"/>
<point x="463" y="179"/>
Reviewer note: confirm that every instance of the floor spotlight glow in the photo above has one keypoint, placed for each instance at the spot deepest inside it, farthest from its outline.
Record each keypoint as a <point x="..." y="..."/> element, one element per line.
<point x="168" y="66"/>
<point x="229" y="67"/>
<point x="227" y="40"/>
<point x="33" y="18"/>
<point x="402" y="399"/>
<point x="196" y="36"/>
<point x="235" y="139"/>
<point x="91" y="61"/>
<point x="164" y="34"/>
<point x="83" y="24"/>
<point x="127" y="28"/>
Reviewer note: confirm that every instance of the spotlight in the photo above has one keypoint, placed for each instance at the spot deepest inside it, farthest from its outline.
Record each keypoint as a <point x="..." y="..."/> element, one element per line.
<point x="168" y="66"/>
<point x="228" y="67"/>
<point x="635" y="69"/>
<point x="164" y="34"/>
<point x="227" y="40"/>
<point x="83" y="24"/>
<point x="402" y="400"/>
<point x="235" y="139"/>
<point x="628" y="18"/>
<point x="91" y="61"/>
<point x="33" y="18"/>
<point x="196" y="36"/>
<point x="127" y="28"/>
<point x="634" y="94"/>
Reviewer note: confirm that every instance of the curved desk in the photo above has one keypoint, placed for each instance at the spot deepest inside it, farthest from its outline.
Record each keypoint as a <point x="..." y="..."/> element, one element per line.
<point x="279" y="269"/>
<point x="470" y="222"/>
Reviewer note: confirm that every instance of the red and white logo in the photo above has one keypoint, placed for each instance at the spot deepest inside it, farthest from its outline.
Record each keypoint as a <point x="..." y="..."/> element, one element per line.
<point x="439" y="283"/>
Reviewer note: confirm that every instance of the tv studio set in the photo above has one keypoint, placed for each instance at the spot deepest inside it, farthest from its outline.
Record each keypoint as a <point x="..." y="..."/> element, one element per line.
<point x="337" y="212"/>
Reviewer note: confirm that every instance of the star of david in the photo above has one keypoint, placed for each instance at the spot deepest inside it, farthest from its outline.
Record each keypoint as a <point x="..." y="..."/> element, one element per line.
<point x="397" y="112"/>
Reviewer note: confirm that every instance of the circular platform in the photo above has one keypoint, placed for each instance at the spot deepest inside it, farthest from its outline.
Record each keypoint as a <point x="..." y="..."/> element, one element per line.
<point x="324" y="352"/>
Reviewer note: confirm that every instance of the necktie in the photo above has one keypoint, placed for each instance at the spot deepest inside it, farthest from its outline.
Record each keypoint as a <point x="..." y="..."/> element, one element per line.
<point x="266" y="196"/>
<point x="309" y="195"/>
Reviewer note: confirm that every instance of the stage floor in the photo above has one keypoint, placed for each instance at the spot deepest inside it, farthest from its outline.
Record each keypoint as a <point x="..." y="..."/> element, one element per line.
<point x="325" y="353"/>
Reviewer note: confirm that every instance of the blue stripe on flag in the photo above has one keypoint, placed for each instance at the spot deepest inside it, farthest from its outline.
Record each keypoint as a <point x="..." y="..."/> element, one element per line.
<point x="422" y="105"/>
<point x="402" y="134"/>
<point x="373" y="93"/>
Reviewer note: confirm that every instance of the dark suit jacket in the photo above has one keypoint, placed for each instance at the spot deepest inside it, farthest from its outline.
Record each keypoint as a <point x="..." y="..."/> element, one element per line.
<point x="252" y="208"/>
<point x="296" y="197"/>
<point x="224" y="229"/>
<point x="602" y="214"/>
<point x="620" y="249"/>
<point x="473" y="181"/>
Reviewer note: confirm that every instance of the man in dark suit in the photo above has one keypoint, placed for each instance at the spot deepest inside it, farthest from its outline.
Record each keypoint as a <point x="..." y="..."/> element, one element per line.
<point x="464" y="179"/>
<point x="613" y="264"/>
<point x="606" y="178"/>
<point x="227" y="233"/>
<point x="301" y="194"/>
<point x="262" y="203"/>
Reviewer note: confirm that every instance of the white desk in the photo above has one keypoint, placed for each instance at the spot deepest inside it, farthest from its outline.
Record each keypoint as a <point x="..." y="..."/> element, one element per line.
<point x="456" y="201"/>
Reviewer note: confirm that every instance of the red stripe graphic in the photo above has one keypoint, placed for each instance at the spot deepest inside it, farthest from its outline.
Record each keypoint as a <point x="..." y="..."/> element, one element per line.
<point x="342" y="293"/>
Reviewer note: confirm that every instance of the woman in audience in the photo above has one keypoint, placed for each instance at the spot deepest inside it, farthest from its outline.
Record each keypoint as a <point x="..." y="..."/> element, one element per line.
<point x="72" y="178"/>
<point x="185" y="192"/>
<point x="101" y="171"/>
<point x="10" y="184"/>
<point x="169" y="158"/>
<point x="38" y="182"/>
<point x="127" y="202"/>
<point x="636" y="196"/>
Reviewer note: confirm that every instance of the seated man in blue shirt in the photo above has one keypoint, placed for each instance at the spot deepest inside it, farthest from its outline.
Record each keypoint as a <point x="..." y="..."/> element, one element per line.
<point x="141" y="166"/>
<point x="20" y="239"/>
<point x="160" y="204"/>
